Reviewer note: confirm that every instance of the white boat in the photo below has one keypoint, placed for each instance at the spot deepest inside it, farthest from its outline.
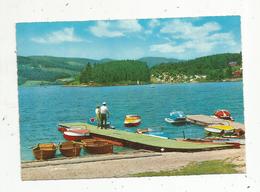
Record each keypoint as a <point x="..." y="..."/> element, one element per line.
<point x="169" y="120"/>
<point x="75" y="135"/>
<point x="176" y="117"/>
<point x="218" y="131"/>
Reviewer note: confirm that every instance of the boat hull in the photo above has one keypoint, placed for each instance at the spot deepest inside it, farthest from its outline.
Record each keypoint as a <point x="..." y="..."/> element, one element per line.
<point x="98" y="147"/>
<point x="132" y="124"/>
<point x="223" y="114"/>
<point x="44" y="151"/>
<point x="70" y="149"/>
<point x="71" y="136"/>
<point x="177" y="121"/>
<point x="218" y="132"/>
<point x="132" y="120"/>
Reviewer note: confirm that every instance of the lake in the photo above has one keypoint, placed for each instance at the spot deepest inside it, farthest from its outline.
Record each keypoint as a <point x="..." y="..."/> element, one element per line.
<point x="41" y="108"/>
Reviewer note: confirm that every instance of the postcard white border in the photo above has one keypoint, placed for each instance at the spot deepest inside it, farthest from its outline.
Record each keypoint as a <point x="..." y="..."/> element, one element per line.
<point x="14" y="11"/>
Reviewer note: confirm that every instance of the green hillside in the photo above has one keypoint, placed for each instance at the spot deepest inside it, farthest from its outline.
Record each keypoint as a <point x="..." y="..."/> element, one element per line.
<point x="209" y="68"/>
<point x="48" y="69"/>
<point x="45" y="70"/>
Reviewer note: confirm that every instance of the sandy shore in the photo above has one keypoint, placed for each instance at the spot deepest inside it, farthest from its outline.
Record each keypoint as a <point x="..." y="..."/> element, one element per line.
<point x="122" y="165"/>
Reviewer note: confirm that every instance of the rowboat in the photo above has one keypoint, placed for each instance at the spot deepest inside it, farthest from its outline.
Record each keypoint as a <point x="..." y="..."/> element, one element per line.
<point x="223" y="114"/>
<point x="98" y="147"/>
<point x="44" y="151"/>
<point x="62" y="129"/>
<point x="176" y="117"/>
<point x="222" y="127"/>
<point x="76" y="135"/>
<point x="219" y="129"/>
<point x="70" y="149"/>
<point x="132" y="120"/>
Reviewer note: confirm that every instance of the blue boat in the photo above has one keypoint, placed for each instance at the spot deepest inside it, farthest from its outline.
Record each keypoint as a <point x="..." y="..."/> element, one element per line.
<point x="176" y="117"/>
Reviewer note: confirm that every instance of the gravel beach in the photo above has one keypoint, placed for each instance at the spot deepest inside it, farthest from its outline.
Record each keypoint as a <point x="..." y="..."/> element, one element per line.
<point x="124" y="164"/>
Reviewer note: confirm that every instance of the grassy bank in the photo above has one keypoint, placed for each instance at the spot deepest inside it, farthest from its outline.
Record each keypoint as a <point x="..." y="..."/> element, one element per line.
<point x="198" y="168"/>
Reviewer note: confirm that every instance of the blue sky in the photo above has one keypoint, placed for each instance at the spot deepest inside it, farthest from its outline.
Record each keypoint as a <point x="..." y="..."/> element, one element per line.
<point x="182" y="38"/>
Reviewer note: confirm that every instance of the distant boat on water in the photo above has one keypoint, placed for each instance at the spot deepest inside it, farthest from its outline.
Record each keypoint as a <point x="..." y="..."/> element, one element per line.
<point x="132" y="120"/>
<point x="176" y="117"/>
<point x="223" y="114"/>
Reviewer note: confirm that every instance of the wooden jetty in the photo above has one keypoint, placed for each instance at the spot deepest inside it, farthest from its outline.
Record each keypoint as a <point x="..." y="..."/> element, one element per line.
<point x="148" y="142"/>
<point x="206" y="120"/>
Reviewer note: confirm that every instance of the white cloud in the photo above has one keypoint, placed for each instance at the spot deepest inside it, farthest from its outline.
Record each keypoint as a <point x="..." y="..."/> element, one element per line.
<point x="186" y="30"/>
<point x="200" y="45"/>
<point x="115" y="29"/>
<point x="60" y="36"/>
<point x="129" y="26"/>
<point x="222" y="38"/>
<point x="154" y="23"/>
<point x="102" y="29"/>
<point x="200" y="39"/>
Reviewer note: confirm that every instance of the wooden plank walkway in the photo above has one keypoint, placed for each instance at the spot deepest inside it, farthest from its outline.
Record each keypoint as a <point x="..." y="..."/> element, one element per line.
<point x="143" y="141"/>
<point x="206" y="120"/>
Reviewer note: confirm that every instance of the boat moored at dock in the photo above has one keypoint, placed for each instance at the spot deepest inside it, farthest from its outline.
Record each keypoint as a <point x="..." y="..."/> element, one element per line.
<point x="147" y="142"/>
<point x="76" y="135"/>
<point x="176" y="117"/>
<point x="223" y="114"/>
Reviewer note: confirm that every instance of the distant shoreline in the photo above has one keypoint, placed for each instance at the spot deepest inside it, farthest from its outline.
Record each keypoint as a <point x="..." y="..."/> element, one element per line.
<point x="125" y="84"/>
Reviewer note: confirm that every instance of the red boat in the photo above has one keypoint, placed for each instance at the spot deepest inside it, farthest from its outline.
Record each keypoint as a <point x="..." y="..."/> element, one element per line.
<point x="62" y="128"/>
<point x="223" y="114"/>
<point x="72" y="129"/>
<point x="76" y="135"/>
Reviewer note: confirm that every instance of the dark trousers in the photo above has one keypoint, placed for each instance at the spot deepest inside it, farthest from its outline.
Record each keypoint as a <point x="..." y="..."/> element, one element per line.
<point x="103" y="121"/>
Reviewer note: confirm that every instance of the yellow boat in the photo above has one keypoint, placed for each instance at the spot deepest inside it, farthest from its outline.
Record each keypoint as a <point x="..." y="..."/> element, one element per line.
<point x="132" y="120"/>
<point x="222" y="127"/>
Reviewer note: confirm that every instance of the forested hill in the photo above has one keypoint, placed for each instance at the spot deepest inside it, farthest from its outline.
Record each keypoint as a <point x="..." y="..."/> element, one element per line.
<point x="116" y="72"/>
<point x="209" y="68"/>
<point x="35" y="70"/>
<point x="47" y="70"/>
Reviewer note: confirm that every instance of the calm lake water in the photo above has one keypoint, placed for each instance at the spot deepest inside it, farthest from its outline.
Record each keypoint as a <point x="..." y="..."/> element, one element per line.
<point x="42" y="108"/>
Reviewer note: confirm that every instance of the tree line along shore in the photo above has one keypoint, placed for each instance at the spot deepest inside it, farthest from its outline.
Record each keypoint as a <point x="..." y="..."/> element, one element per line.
<point x="45" y="70"/>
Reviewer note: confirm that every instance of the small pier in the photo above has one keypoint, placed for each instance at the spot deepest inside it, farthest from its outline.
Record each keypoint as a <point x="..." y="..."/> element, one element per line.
<point x="148" y="142"/>
<point x="205" y="120"/>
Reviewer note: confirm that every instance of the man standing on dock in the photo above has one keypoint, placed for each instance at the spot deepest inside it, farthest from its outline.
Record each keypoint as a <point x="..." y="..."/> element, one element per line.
<point x="104" y="115"/>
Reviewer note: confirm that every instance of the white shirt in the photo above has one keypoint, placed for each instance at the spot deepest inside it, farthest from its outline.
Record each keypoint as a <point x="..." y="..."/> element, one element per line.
<point x="103" y="109"/>
<point x="97" y="111"/>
